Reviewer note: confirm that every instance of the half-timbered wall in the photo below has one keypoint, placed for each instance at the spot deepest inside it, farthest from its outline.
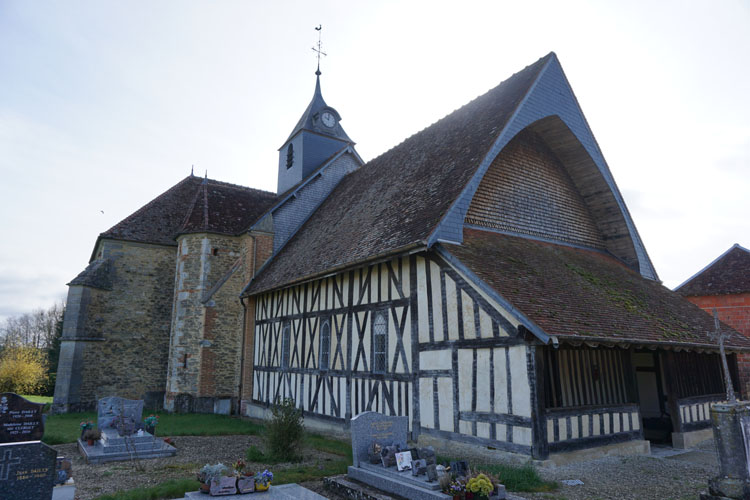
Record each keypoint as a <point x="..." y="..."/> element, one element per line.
<point x="570" y="429"/>
<point x="359" y="368"/>
<point x="473" y="381"/>
<point x="410" y="337"/>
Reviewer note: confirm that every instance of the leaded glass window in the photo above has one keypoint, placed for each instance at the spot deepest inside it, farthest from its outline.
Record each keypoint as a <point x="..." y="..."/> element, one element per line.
<point x="325" y="344"/>
<point x="379" y="342"/>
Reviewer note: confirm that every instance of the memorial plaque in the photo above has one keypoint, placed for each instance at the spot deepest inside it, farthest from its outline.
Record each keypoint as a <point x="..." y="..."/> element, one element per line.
<point x="20" y="419"/>
<point x="372" y="427"/>
<point x="226" y="485"/>
<point x="27" y="471"/>
<point x="418" y="467"/>
<point x="119" y="413"/>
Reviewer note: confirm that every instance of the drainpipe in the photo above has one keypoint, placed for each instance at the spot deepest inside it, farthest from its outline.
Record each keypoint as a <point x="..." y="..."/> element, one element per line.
<point x="242" y="357"/>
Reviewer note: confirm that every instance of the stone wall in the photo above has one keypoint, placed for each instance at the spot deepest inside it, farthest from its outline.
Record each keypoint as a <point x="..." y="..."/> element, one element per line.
<point x="734" y="310"/>
<point x="118" y="341"/>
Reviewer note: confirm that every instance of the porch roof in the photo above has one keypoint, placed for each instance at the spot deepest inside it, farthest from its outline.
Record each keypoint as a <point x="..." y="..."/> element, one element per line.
<point x="585" y="295"/>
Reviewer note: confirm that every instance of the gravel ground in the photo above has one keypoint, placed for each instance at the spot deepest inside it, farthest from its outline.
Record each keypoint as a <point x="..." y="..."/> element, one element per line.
<point x="192" y="453"/>
<point x="677" y="477"/>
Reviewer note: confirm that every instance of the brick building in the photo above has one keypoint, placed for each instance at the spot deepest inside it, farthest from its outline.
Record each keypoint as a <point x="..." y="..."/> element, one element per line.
<point x="724" y="285"/>
<point x="484" y="278"/>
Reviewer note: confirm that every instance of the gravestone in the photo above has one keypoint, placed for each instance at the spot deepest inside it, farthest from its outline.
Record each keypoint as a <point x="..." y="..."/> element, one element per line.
<point x="118" y="419"/>
<point x="389" y="433"/>
<point x="27" y="466"/>
<point x="20" y="419"/>
<point x="119" y="413"/>
<point x="372" y="427"/>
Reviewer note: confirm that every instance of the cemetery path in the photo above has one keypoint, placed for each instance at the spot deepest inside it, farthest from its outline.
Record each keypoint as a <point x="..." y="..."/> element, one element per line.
<point x="193" y="452"/>
<point x="662" y="476"/>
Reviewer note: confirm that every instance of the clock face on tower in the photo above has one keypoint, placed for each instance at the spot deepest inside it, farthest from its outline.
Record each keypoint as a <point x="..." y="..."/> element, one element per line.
<point x="328" y="119"/>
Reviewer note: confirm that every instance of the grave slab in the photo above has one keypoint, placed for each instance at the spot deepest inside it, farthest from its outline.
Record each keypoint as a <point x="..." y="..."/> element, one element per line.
<point x="113" y="447"/>
<point x="281" y="492"/>
<point x="20" y="419"/>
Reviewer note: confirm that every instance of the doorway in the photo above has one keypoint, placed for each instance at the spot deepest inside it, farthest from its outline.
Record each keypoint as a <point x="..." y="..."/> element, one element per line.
<point x="657" y="423"/>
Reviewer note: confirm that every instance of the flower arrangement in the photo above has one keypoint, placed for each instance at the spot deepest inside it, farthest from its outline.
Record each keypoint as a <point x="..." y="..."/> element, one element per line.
<point x="455" y="488"/>
<point x="480" y="484"/>
<point x="238" y="466"/>
<point x="264" y="478"/>
<point x="91" y="435"/>
<point x="151" y="421"/>
<point x="211" y="473"/>
<point x="86" y="425"/>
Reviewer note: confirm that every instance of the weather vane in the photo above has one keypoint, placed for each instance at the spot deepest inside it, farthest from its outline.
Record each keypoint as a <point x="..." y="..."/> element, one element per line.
<point x="318" y="50"/>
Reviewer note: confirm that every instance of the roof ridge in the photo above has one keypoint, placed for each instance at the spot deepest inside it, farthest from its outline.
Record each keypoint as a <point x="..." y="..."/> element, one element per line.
<point x="189" y="211"/>
<point x="238" y="186"/>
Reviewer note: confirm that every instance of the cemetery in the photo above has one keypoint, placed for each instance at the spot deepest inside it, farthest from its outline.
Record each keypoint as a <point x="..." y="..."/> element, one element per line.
<point x="132" y="453"/>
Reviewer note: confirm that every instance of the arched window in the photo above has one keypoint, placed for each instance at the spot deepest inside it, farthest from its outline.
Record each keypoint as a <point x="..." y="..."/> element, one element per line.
<point x="290" y="156"/>
<point x="379" y="342"/>
<point x="325" y="344"/>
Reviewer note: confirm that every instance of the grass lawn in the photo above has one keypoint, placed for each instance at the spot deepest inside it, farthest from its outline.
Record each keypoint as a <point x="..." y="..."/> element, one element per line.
<point x="65" y="428"/>
<point x="38" y="399"/>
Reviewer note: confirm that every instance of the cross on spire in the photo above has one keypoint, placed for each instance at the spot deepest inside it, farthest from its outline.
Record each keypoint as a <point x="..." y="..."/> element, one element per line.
<point x="319" y="29"/>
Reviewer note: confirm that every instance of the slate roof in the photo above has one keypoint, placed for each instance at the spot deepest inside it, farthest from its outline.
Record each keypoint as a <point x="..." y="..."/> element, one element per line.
<point x="97" y="275"/>
<point x="728" y="274"/>
<point x="396" y="201"/>
<point x="193" y="205"/>
<point x="583" y="295"/>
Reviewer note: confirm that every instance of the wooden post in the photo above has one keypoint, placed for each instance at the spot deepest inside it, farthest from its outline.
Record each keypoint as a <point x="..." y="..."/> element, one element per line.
<point x="669" y="375"/>
<point x="540" y="447"/>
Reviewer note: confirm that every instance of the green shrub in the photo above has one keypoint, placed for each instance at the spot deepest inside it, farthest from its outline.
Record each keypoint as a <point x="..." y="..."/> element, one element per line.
<point x="255" y="454"/>
<point x="23" y="370"/>
<point x="285" y="432"/>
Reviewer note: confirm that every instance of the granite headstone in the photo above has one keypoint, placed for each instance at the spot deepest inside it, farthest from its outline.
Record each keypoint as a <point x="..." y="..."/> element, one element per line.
<point x="20" y="419"/>
<point x="119" y="413"/>
<point x="372" y="427"/>
<point x="27" y="470"/>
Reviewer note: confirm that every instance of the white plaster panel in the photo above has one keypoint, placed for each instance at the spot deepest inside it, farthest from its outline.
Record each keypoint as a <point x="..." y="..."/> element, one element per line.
<point x="406" y="277"/>
<point x="625" y="422"/>
<point x="585" y="425"/>
<point x="550" y="430"/>
<point x="467" y="310"/>
<point x="407" y="341"/>
<point x="606" y="424"/>
<point x="485" y="324"/>
<point x="464" y="427"/>
<point x="465" y="363"/>
<point x="423" y="312"/>
<point x="437" y="302"/>
<point x="426" y="415"/>
<point x="574" y="428"/>
<point x="519" y="381"/>
<point x="483" y="430"/>
<point x="522" y="435"/>
<point x="562" y="425"/>
<point x="383" y="281"/>
<point x="615" y="423"/>
<point x="451" y="306"/>
<point x="445" y="403"/>
<point x="597" y="425"/>
<point x="435" y="360"/>
<point x="636" y="422"/>
<point x="501" y="432"/>
<point x="501" y="385"/>
<point x="483" y="380"/>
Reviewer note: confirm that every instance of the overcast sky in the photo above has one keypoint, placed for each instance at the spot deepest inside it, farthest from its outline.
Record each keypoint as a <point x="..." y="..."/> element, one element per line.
<point x="106" y="104"/>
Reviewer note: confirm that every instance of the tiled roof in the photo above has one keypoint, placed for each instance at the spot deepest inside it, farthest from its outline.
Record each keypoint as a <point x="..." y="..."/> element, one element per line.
<point x="396" y="201"/>
<point x="583" y="294"/>
<point x="730" y="273"/>
<point x="230" y="209"/>
<point x="97" y="275"/>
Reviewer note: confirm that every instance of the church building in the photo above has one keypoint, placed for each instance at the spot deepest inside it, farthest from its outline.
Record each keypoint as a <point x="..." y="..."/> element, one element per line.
<point x="483" y="278"/>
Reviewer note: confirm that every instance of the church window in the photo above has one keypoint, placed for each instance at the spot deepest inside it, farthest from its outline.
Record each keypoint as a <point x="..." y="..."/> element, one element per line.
<point x="379" y="342"/>
<point x="286" y="337"/>
<point x="325" y="344"/>
<point x="290" y="156"/>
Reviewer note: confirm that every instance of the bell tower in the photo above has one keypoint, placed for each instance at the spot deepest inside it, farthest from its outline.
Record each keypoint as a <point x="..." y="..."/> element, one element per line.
<point x="317" y="136"/>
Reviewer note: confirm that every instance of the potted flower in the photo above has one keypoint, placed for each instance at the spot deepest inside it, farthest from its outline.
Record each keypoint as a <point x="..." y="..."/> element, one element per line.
<point x="245" y="479"/>
<point x="263" y="480"/>
<point x="456" y="489"/>
<point x="479" y="486"/>
<point x="86" y="425"/>
<point x="150" y="423"/>
<point x="211" y="474"/>
<point x="91" y="435"/>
